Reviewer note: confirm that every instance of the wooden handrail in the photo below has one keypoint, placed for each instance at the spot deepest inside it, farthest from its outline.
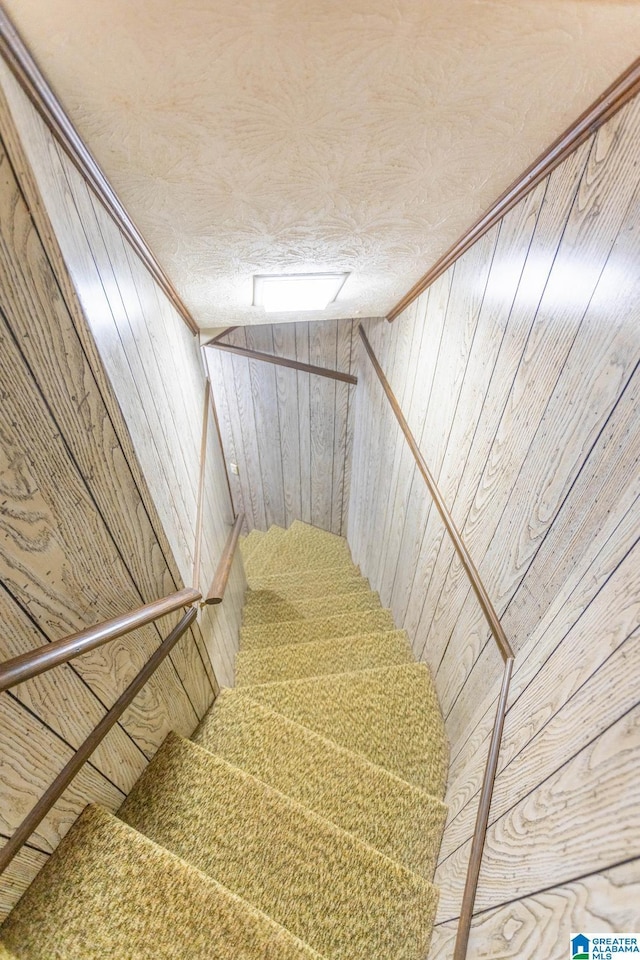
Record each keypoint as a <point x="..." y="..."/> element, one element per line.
<point x="82" y="754"/>
<point x="486" y="793"/>
<point x="219" y="336"/>
<point x="35" y="662"/>
<point x="482" y="819"/>
<point x="221" y="576"/>
<point x="283" y="362"/>
<point x="458" y="543"/>
<point x="197" y="553"/>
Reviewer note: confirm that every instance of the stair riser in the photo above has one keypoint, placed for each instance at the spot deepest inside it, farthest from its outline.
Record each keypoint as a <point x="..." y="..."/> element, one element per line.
<point x="320" y="658"/>
<point x="335" y="893"/>
<point x="269" y="635"/>
<point x="273" y="610"/>
<point x="399" y="820"/>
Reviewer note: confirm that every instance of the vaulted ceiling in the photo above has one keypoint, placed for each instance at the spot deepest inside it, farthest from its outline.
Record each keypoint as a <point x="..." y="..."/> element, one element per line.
<point x="270" y="136"/>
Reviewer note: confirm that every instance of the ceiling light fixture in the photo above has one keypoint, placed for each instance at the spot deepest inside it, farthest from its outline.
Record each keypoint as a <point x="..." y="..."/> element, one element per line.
<point x="297" y="292"/>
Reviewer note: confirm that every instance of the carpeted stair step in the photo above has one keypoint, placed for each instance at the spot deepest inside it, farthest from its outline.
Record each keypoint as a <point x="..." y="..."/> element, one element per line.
<point x="302" y="548"/>
<point x="264" y="549"/>
<point x="399" y="820"/>
<point x="390" y="715"/>
<point x="304" y="631"/>
<point x="271" y="609"/>
<point x="312" y="583"/>
<point x="250" y="542"/>
<point x="108" y="893"/>
<point x="319" y="657"/>
<point x="339" y="895"/>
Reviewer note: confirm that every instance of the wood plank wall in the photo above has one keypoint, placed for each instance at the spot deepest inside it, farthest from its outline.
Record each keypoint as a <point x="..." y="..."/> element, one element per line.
<point x="153" y="369"/>
<point x="518" y="373"/>
<point x="101" y="385"/>
<point x="290" y="433"/>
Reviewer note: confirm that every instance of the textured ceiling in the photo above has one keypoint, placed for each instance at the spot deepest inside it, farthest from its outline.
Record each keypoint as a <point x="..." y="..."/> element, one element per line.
<point x="268" y="136"/>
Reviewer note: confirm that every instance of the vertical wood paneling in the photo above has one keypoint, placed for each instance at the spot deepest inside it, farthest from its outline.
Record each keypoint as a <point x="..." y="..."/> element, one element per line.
<point x="284" y="345"/>
<point x="348" y="431"/>
<point x="525" y="400"/>
<point x="102" y="397"/>
<point x="290" y="432"/>
<point x="266" y="414"/>
<point x="221" y="373"/>
<point x="304" y="420"/>
<point x="322" y="402"/>
<point x="239" y="394"/>
<point x="433" y="319"/>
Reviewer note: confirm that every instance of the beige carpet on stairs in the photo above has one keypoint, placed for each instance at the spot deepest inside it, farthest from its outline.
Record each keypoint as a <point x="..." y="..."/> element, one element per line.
<point x="313" y="659"/>
<point x="324" y="628"/>
<point x="109" y="893"/>
<point x="303" y="820"/>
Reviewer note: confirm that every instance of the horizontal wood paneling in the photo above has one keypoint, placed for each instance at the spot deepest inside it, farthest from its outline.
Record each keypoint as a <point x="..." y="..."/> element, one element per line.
<point x="289" y="432"/>
<point x="102" y="389"/>
<point x="518" y="372"/>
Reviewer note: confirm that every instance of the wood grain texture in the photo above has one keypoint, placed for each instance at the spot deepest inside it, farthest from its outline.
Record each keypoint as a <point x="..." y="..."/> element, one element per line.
<point x="147" y="364"/>
<point x="40" y="173"/>
<point x="284" y="345"/>
<point x="65" y="704"/>
<point x="267" y="419"/>
<point x="31" y="757"/>
<point x="102" y="393"/>
<point x="50" y="109"/>
<point x="563" y="829"/>
<point x="541" y="925"/>
<point x="18" y="875"/>
<point x="251" y="353"/>
<point x="564" y="632"/>
<point x="56" y="547"/>
<point x="289" y="432"/>
<point x="526" y="396"/>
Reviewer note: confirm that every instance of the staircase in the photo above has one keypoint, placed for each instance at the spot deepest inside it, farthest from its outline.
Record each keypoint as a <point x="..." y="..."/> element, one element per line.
<point x="303" y="819"/>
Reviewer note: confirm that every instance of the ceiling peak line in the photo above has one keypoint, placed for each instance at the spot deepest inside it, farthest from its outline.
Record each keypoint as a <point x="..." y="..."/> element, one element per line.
<point x="623" y="89"/>
<point x="34" y="84"/>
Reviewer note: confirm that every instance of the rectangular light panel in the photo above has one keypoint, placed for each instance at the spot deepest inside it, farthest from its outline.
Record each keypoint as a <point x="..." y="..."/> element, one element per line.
<point x="296" y="292"/>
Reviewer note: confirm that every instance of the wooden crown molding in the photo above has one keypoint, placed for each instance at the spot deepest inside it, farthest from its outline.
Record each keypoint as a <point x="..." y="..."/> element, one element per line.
<point x="34" y="84"/>
<point x="614" y="97"/>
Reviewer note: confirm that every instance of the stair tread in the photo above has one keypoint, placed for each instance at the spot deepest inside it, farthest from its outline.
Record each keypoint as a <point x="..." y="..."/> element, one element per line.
<point x="264" y="549"/>
<point x="272" y="609"/>
<point x="398" y="819"/>
<point x="303" y="547"/>
<point x="318" y="657"/>
<point x="323" y="628"/>
<point x="309" y="583"/>
<point x="408" y="739"/>
<point x="304" y="820"/>
<point x="339" y="895"/>
<point x="250" y="542"/>
<point x="108" y="891"/>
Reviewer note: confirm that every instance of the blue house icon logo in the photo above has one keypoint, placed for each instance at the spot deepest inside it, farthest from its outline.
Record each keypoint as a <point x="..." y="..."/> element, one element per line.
<point x="580" y="947"/>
